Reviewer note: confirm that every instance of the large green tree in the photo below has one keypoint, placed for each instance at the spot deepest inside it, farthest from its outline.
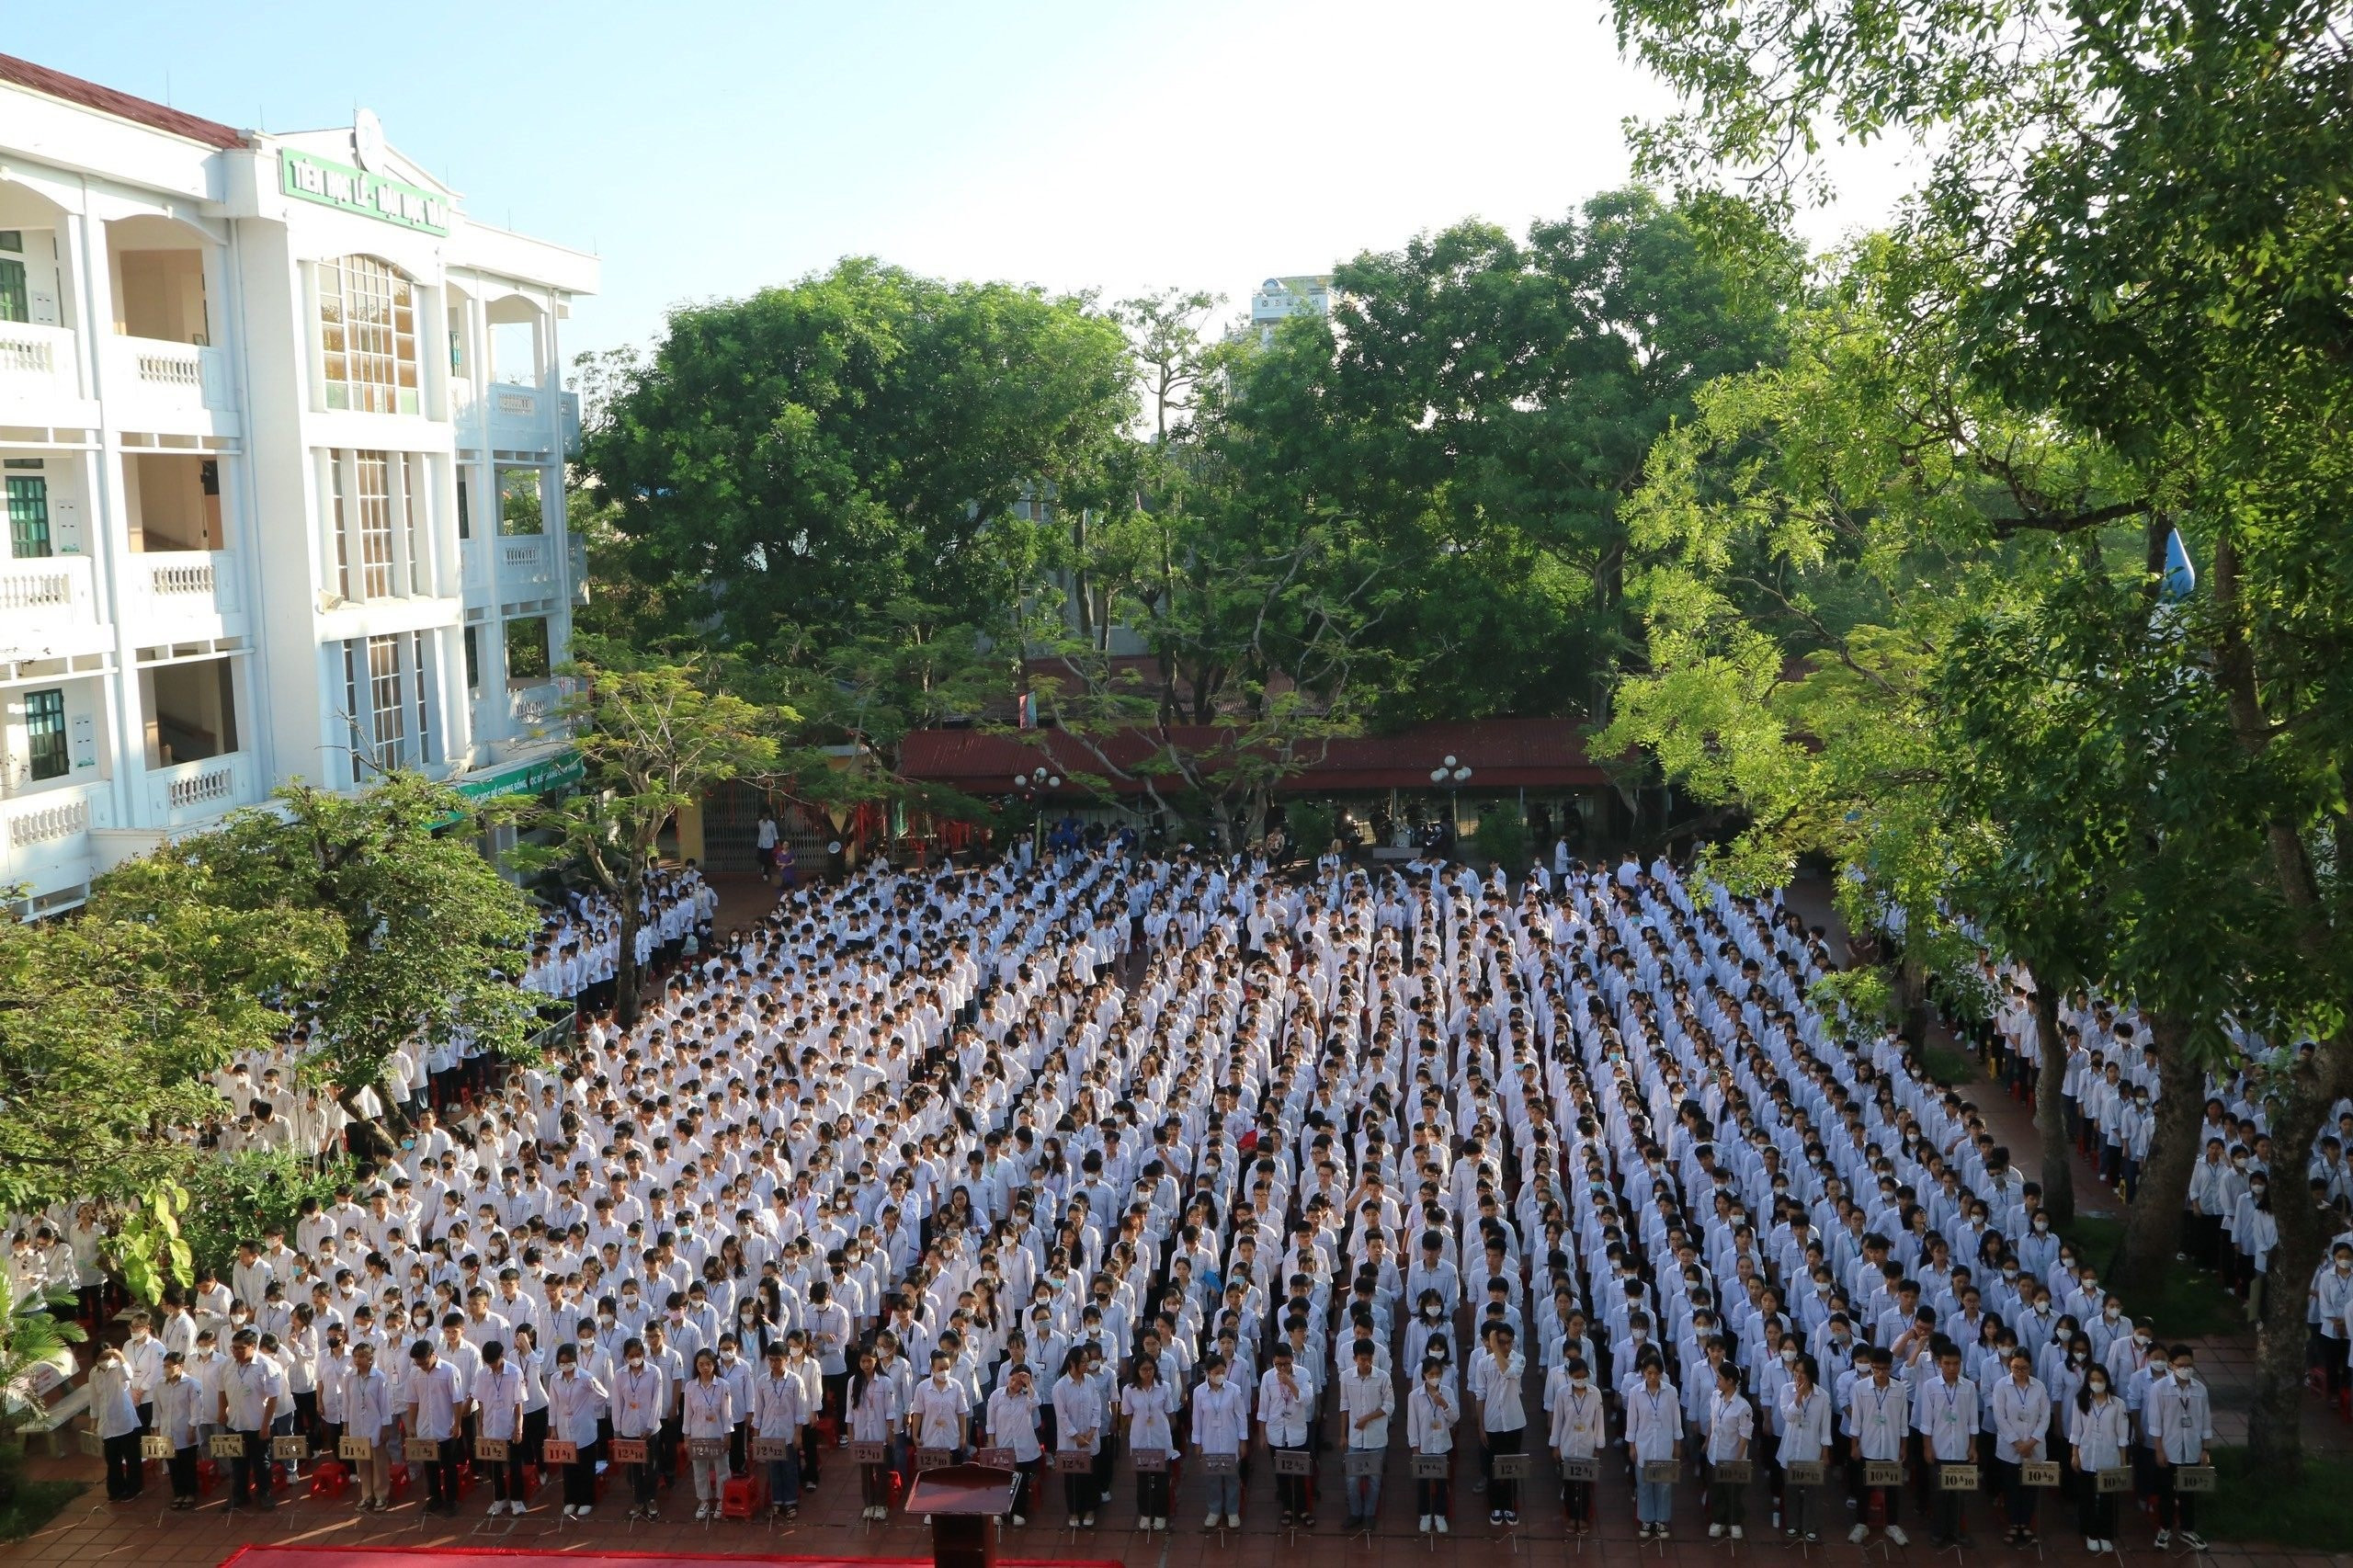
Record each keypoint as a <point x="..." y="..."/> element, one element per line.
<point x="1480" y="407"/>
<point x="2152" y="203"/>
<point x="429" y="937"/>
<point x="111" y="1021"/>
<point x="833" y="468"/>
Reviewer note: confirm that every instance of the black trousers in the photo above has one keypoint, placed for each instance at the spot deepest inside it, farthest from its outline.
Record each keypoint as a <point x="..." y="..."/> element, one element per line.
<point x="1504" y="1494"/>
<point x="124" y="1479"/>
<point x="580" y="1479"/>
<point x="441" y="1477"/>
<point x="250" y="1466"/>
<point x="182" y="1465"/>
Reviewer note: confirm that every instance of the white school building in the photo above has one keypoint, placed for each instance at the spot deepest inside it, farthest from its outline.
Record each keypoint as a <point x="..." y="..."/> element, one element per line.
<point x="283" y="436"/>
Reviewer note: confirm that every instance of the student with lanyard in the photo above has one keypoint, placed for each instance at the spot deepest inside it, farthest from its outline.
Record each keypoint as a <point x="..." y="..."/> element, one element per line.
<point x="2021" y="1422"/>
<point x="779" y="1408"/>
<point x="252" y="1394"/>
<point x="1222" y="1427"/>
<point x="2099" y="1432"/>
<point x="498" y="1395"/>
<point x="2180" y="1425"/>
<point x="874" y="1410"/>
<point x="436" y="1410"/>
<point x="1948" y="1418"/>
<point x="1732" y="1424"/>
<point x="1877" y="1417"/>
<point x="1496" y="1381"/>
<point x="1013" y="1426"/>
<point x="1654" y="1435"/>
<point x="1805" y="1439"/>
<point x="1284" y="1401"/>
<point x="576" y="1403"/>
<point x="640" y="1403"/>
<point x="1579" y="1429"/>
<point x="708" y="1413"/>
<point x="1150" y="1408"/>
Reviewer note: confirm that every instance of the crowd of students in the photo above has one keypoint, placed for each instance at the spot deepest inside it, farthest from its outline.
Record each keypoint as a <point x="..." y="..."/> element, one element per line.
<point x="1122" y="1162"/>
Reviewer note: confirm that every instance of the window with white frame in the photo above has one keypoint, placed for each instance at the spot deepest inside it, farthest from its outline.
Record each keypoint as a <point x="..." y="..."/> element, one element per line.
<point x="374" y="497"/>
<point x="368" y="337"/>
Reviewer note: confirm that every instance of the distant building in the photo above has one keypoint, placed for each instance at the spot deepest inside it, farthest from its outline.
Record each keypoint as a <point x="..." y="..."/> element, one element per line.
<point x="282" y="438"/>
<point x="1279" y="299"/>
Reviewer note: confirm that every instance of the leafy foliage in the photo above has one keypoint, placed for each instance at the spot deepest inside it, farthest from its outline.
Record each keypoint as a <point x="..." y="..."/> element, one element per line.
<point x="426" y="937"/>
<point x="653" y="737"/>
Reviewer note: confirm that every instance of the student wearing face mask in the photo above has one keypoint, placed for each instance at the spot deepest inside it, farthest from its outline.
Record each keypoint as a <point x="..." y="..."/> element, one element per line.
<point x="2179" y="1419"/>
<point x="2332" y="1301"/>
<point x="1221" y="1426"/>
<point x="1576" y="1408"/>
<point x="640" y="1403"/>
<point x="1013" y="1426"/>
<point x="2022" y="1410"/>
<point x="2098" y="1431"/>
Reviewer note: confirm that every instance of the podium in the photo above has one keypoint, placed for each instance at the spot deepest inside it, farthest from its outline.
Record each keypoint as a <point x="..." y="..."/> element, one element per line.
<point x="965" y="1502"/>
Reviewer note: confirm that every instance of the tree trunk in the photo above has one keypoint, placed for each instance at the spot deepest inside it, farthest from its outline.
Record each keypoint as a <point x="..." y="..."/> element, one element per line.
<point x="625" y="981"/>
<point x="1912" y="998"/>
<point x="2274" y="1439"/>
<point x="2051" y="1109"/>
<point x="2153" y="1222"/>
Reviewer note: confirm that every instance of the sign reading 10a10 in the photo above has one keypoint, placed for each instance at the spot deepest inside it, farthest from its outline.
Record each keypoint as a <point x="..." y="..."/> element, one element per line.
<point x="331" y="183"/>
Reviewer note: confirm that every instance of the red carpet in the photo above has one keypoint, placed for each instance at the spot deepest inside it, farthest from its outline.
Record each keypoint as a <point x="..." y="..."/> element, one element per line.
<point x="452" y="1557"/>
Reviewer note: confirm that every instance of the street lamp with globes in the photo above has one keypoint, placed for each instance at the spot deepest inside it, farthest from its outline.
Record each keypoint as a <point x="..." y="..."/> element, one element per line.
<point x="1451" y="775"/>
<point x="1032" y="788"/>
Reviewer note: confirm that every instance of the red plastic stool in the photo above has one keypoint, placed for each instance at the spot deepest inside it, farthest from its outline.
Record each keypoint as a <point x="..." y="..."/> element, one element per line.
<point x="329" y="1480"/>
<point x="738" y="1498"/>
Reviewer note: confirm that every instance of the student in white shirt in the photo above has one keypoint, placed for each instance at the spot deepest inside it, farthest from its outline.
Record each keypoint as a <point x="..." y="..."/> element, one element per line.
<point x="1430" y="1414"/>
<point x="1653" y="1435"/>
<point x="1732" y="1424"/>
<point x="436" y="1407"/>
<point x="1577" y="1433"/>
<point x="1150" y="1407"/>
<point x="1013" y="1426"/>
<point x="779" y="1409"/>
<point x="368" y="1416"/>
<point x="708" y="1411"/>
<point x="576" y="1403"/>
<point x="498" y="1401"/>
<point x="1221" y="1426"/>
<point x="1805" y="1438"/>
<point x="1368" y="1400"/>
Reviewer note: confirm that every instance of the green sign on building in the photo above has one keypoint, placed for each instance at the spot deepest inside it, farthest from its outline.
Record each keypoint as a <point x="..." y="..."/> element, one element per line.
<point x="331" y="183"/>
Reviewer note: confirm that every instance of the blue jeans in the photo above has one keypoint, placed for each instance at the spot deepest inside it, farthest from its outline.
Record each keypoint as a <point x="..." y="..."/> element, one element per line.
<point x="1224" y="1493"/>
<point x="1364" y="1496"/>
<point x="784" y="1482"/>
<point x="1654" y="1502"/>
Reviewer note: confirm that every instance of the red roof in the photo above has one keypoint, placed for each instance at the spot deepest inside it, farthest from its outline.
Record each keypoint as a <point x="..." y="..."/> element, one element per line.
<point x="122" y="106"/>
<point x="1502" y="754"/>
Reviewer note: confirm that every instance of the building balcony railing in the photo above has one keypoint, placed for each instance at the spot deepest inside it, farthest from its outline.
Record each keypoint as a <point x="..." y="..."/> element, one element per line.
<point x="44" y="604"/>
<point x="510" y="417"/>
<point x="38" y="365"/>
<point x="525" y="567"/>
<point x="176" y="587"/>
<point x="151" y="382"/>
<point x="188" y="792"/>
<point x="45" y="835"/>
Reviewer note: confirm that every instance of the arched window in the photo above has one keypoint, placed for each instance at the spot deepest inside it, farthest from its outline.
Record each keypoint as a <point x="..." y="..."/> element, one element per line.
<point x="367" y="336"/>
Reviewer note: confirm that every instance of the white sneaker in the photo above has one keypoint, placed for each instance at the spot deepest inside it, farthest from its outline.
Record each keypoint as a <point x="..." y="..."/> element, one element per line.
<point x="702" y="1510"/>
<point x="1898" y="1537"/>
<point x="1439" y="1521"/>
<point x="1159" y="1523"/>
<point x="1859" y="1534"/>
<point x="1212" y="1521"/>
<point x="1425" y="1525"/>
<point x="1736" y="1533"/>
<point x="1715" y="1532"/>
<point x="2165" y="1538"/>
<point x="1233" y="1521"/>
<point x="497" y="1509"/>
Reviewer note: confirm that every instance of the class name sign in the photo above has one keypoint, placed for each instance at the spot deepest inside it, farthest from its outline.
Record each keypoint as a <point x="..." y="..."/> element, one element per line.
<point x="340" y="186"/>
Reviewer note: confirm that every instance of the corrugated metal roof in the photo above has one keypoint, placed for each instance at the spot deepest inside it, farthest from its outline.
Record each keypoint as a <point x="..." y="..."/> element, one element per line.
<point x="122" y="106"/>
<point x="1501" y="753"/>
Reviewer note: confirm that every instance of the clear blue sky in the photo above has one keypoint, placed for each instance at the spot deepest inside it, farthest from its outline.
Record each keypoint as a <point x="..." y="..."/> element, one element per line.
<point x="706" y="149"/>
